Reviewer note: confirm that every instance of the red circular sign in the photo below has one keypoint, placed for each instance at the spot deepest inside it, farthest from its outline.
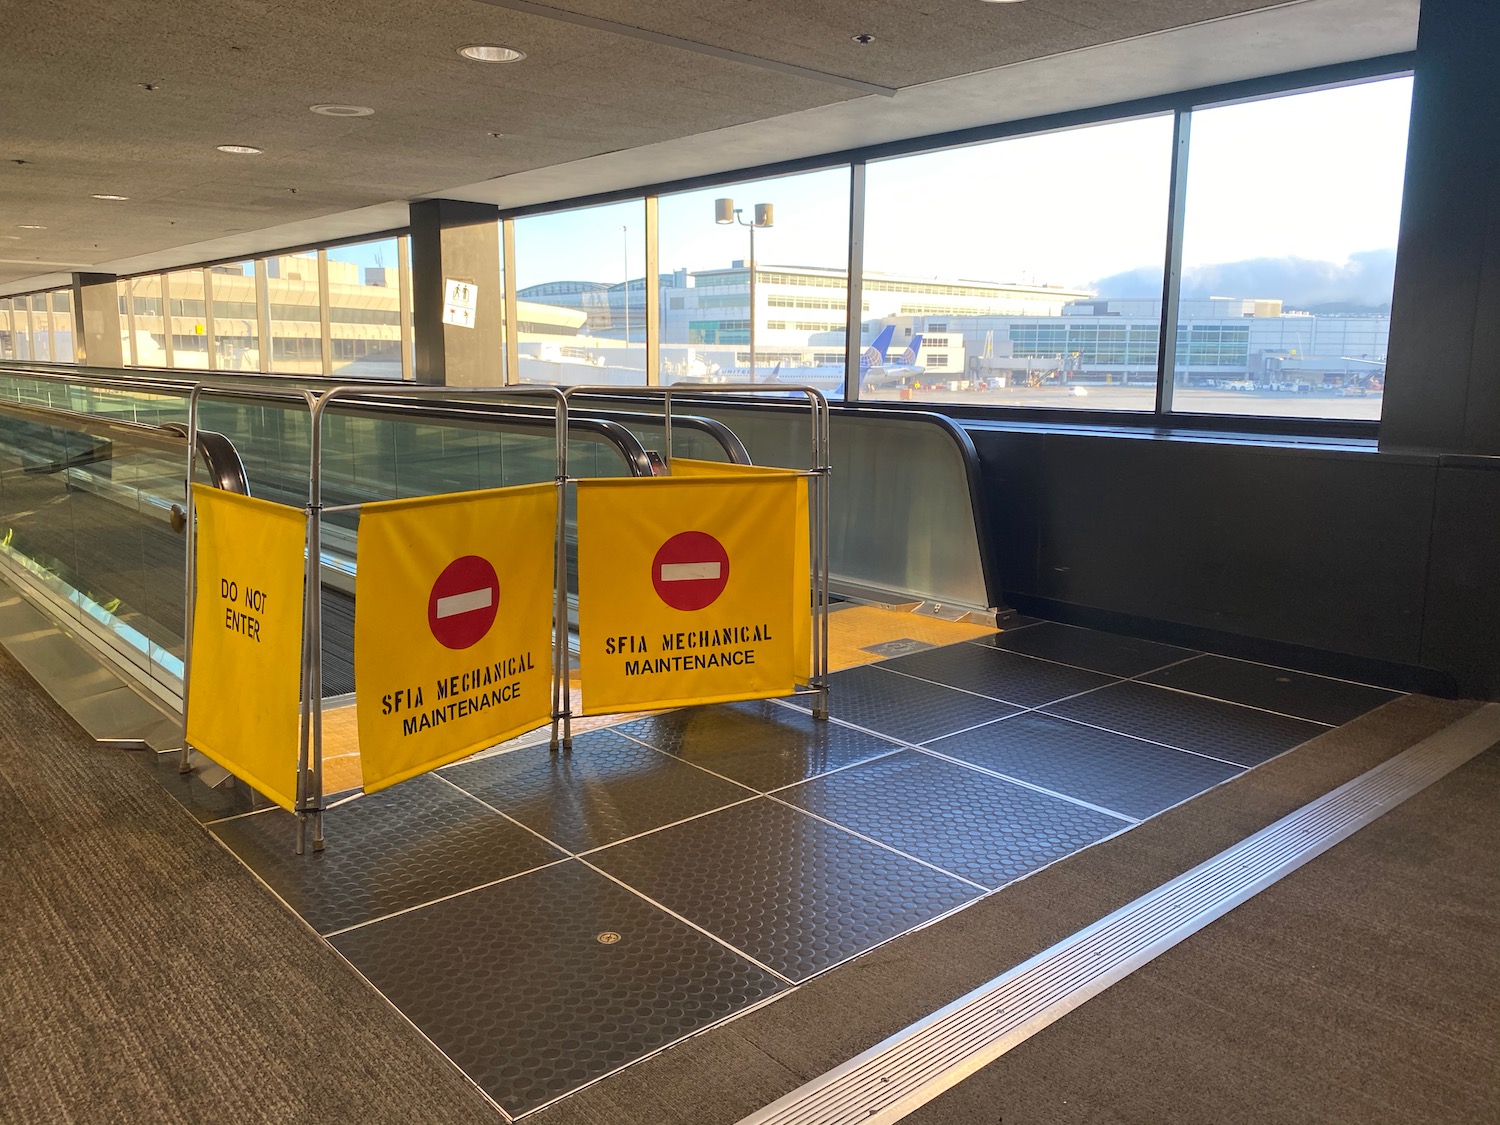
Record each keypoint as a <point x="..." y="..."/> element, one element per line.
<point x="690" y="570"/>
<point x="463" y="602"/>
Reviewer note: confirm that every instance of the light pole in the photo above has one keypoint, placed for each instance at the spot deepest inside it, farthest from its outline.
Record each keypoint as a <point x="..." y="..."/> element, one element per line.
<point x="726" y="212"/>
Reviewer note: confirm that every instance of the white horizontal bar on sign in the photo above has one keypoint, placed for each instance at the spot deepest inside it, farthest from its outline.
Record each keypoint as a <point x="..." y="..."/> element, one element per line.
<point x="455" y="604"/>
<point x="688" y="572"/>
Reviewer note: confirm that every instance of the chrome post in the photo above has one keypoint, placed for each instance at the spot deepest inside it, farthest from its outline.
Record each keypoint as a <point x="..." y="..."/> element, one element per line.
<point x="825" y="471"/>
<point x="313" y="607"/>
<point x="667" y="426"/>
<point x="562" y="694"/>
<point x="310" y="578"/>
<point x="190" y="570"/>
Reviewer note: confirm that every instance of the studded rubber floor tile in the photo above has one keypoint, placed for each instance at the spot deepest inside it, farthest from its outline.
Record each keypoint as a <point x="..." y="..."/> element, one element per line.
<point x="1228" y="731"/>
<point x="796" y="894"/>
<point x="514" y="984"/>
<point x="759" y="744"/>
<point x="1021" y="680"/>
<point x="964" y="821"/>
<point x="901" y="707"/>
<point x="1111" y="770"/>
<point x="1276" y="689"/>
<point x="1087" y="648"/>
<point x="410" y="844"/>
<point x="605" y="789"/>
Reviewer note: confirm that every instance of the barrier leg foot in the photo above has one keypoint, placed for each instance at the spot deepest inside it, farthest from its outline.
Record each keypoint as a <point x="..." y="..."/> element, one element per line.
<point x="317" y="819"/>
<point x="301" y="833"/>
<point x="820" y="708"/>
<point x="184" y="763"/>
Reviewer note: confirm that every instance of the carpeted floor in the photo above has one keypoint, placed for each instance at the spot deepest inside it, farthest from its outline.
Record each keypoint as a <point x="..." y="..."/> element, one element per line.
<point x="1361" y="988"/>
<point x="145" y="976"/>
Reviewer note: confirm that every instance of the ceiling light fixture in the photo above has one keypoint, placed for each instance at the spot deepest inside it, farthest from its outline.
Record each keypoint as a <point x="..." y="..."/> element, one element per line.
<point x="240" y="150"/>
<point x="118" y="198"/>
<point x="480" y="53"/>
<point x="1002" y="1"/>
<point x="30" y="226"/>
<point x="342" y="110"/>
<point x="863" y="40"/>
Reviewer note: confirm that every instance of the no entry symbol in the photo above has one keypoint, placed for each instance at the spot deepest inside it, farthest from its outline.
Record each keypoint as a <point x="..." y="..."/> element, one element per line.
<point x="690" y="570"/>
<point x="463" y="602"/>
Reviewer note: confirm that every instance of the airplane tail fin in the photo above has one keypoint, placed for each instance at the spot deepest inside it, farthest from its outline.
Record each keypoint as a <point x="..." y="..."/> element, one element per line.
<point x="875" y="353"/>
<point x="909" y="357"/>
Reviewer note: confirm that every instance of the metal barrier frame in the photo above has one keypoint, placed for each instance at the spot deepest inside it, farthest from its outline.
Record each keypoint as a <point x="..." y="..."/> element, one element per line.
<point x="309" y="790"/>
<point x="819" y="472"/>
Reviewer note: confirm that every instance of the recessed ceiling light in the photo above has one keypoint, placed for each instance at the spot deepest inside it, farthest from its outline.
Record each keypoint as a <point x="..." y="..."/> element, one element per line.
<point x="1002" y="1"/>
<point x="492" y="54"/>
<point x="240" y="150"/>
<point x="863" y="40"/>
<point x="120" y="198"/>
<point x="30" y="226"/>
<point x="342" y="110"/>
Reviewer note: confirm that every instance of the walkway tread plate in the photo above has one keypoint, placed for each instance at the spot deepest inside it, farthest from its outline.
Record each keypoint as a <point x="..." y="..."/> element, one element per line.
<point x="795" y="893"/>
<point x="513" y="984"/>
<point x="410" y="844"/>
<point x="605" y="789"/>
<point x="1237" y="734"/>
<point x="1115" y="771"/>
<point x="905" y="708"/>
<point x="1017" y="679"/>
<point x="1089" y="648"/>
<point x="964" y="821"/>
<point x="1317" y="698"/>
<point x="760" y="744"/>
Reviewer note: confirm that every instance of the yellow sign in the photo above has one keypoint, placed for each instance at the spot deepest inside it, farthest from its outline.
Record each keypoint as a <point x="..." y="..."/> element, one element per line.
<point x="686" y="590"/>
<point x="453" y="601"/>
<point x="801" y="571"/>
<point x="244" y="686"/>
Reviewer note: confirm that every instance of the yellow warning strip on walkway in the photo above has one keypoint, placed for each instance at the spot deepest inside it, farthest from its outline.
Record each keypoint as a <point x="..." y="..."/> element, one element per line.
<point x="857" y="634"/>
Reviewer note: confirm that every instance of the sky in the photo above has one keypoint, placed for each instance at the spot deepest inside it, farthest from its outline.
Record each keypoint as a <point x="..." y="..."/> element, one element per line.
<point x="1301" y="192"/>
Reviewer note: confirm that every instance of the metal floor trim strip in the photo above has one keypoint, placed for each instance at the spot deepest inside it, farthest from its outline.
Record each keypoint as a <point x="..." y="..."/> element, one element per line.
<point x="918" y="1063"/>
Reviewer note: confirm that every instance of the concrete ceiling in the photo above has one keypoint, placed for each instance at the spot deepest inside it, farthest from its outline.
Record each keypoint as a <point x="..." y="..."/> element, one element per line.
<point x="130" y="99"/>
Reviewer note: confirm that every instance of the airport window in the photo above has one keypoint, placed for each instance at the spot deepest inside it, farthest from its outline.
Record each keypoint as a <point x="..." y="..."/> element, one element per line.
<point x="597" y="257"/>
<point x="236" y="317"/>
<point x="1040" y="235"/>
<point x="1288" y="253"/>
<point x="187" y="314"/>
<point x="294" y="298"/>
<point x="147" y="326"/>
<point x="62" y="326"/>
<point x="801" y="262"/>
<point x="9" y="329"/>
<point x="364" y="310"/>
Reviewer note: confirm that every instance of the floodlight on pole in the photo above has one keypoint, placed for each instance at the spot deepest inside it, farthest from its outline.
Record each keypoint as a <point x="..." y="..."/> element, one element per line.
<point x="725" y="212"/>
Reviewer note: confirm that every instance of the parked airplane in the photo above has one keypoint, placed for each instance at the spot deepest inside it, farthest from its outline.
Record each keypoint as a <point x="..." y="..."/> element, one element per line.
<point x="873" y="369"/>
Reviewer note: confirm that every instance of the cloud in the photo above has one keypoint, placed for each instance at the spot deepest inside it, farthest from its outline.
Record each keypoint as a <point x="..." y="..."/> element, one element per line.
<point x="1365" y="279"/>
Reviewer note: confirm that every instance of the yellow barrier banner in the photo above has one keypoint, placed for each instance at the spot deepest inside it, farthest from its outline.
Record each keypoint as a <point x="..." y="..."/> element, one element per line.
<point x="453" y="599"/>
<point x="685" y="590"/>
<point x="801" y="568"/>
<point x="244" y="686"/>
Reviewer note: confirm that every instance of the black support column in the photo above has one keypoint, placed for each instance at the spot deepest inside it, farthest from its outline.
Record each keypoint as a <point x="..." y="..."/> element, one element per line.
<point x="1442" y="393"/>
<point x="456" y="239"/>
<point x="1443" y="379"/>
<point x="96" y="321"/>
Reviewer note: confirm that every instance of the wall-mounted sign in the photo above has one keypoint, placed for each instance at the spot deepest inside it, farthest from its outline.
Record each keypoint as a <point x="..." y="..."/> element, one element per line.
<point x="459" y="301"/>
